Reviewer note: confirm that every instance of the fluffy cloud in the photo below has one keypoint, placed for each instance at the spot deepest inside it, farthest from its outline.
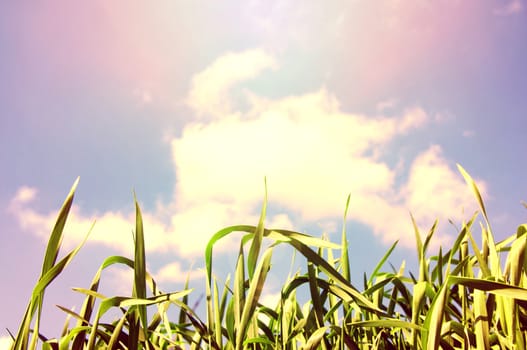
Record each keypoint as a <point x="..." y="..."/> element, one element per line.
<point x="432" y="191"/>
<point x="5" y="343"/>
<point x="311" y="152"/>
<point x="209" y="94"/>
<point x="173" y="272"/>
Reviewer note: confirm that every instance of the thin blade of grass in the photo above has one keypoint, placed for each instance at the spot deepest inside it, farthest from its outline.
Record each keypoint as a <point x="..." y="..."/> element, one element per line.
<point x="315" y="338"/>
<point x="255" y="289"/>
<point x="52" y="251"/>
<point x="481" y="319"/>
<point x="254" y="251"/>
<point x="434" y="319"/>
<point x="217" y="315"/>
<point x="114" y="339"/>
<point x="239" y="290"/>
<point x="344" y="258"/>
<point x="497" y="288"/>
<point x="381" y="263"/>
<point x="215" y="238"/>
<point x="318" y="308"/>
<point x="333" y="274"/>
<point x="472" y="184"/>
<point x="140" y="268"/>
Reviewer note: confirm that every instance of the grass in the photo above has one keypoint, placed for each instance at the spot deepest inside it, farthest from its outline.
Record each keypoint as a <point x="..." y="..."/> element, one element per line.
<point x="466" y="297"/>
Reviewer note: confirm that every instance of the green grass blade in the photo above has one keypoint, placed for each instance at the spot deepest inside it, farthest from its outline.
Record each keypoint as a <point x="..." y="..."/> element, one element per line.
<point x="337" y="277"/>
<point x="255" y="289"/>
<point x="215" y="238"/>
<point x="423" y="267"/>
<point x="315" y="339"/>
<point x="344" y="258"/>
<point x="429" y="236"/>
<point x="140" y="268"/>
<point x="434" y="319"/>
<point x="475" y="190"/>
<point x="497" y="288"/>
<point x="217" y="315"/>
<point x="55" y="239"/>
<point x="318" y="308"/>
<point x="381" y="263"/>
<point x="481" y="320"/>
<point x="239" y="290"/>
<point x="387" y="323"/>
<point x="114" y="339"/>
<point x="257" y="239"/>
<point x="52" y="251"/>
<point x="481" y="260"/>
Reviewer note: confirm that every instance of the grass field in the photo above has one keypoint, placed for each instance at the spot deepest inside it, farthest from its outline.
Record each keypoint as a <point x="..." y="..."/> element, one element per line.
<point x="462" y="297"/>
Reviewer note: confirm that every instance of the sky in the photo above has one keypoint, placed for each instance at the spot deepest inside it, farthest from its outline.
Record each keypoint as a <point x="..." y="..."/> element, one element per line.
<point x="194" y="106"/>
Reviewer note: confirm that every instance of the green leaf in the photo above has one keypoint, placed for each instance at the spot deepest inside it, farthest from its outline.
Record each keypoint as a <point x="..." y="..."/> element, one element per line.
<point x="140" y="266"/>
<point x="255" y="289"/>
<point x="315" y="338"/>
<point x="257" y="238"/>
<point x="434" y="319"/>
<point x="52" y="249"/>
<point x="381" y="263"/>
<point x="475" y="190"/>
<point x="344" y="259"/>
<point x="497" y="288"/>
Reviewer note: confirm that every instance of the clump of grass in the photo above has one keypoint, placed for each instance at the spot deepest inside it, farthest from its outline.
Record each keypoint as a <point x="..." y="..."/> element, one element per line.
<point x="466" y="297"/>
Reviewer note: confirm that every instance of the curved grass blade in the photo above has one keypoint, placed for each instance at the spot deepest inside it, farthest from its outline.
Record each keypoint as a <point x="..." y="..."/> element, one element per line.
<point x="89" y="302"/>
<point x="334" y="275"/>
<point x="315" y="338"/>
<point x="215" y="238"/>
<point x="497" y="288"/>
<point x="381" y="263"/>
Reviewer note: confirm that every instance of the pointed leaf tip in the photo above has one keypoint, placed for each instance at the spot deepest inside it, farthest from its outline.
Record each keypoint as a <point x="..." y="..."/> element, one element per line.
<point x="76" y="182"/>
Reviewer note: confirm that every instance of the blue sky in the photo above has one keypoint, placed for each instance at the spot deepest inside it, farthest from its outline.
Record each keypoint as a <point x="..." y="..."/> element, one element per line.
<point x="192" y="106"/>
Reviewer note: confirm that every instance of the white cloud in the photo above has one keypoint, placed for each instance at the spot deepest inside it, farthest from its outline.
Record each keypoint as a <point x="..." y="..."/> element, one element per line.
<point x="413" y="118"/>
<point x="173" y="272"/>
<point x="209" y="93"/>
<point x="434" y="190"/>
<point x="117" y="280"/>
<point x="5" y="343"/>
<point x="111" y="228"/>
<point x="270" y="299"/>
<point x="25" y="194"/>
<point x="311" y="151"/>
